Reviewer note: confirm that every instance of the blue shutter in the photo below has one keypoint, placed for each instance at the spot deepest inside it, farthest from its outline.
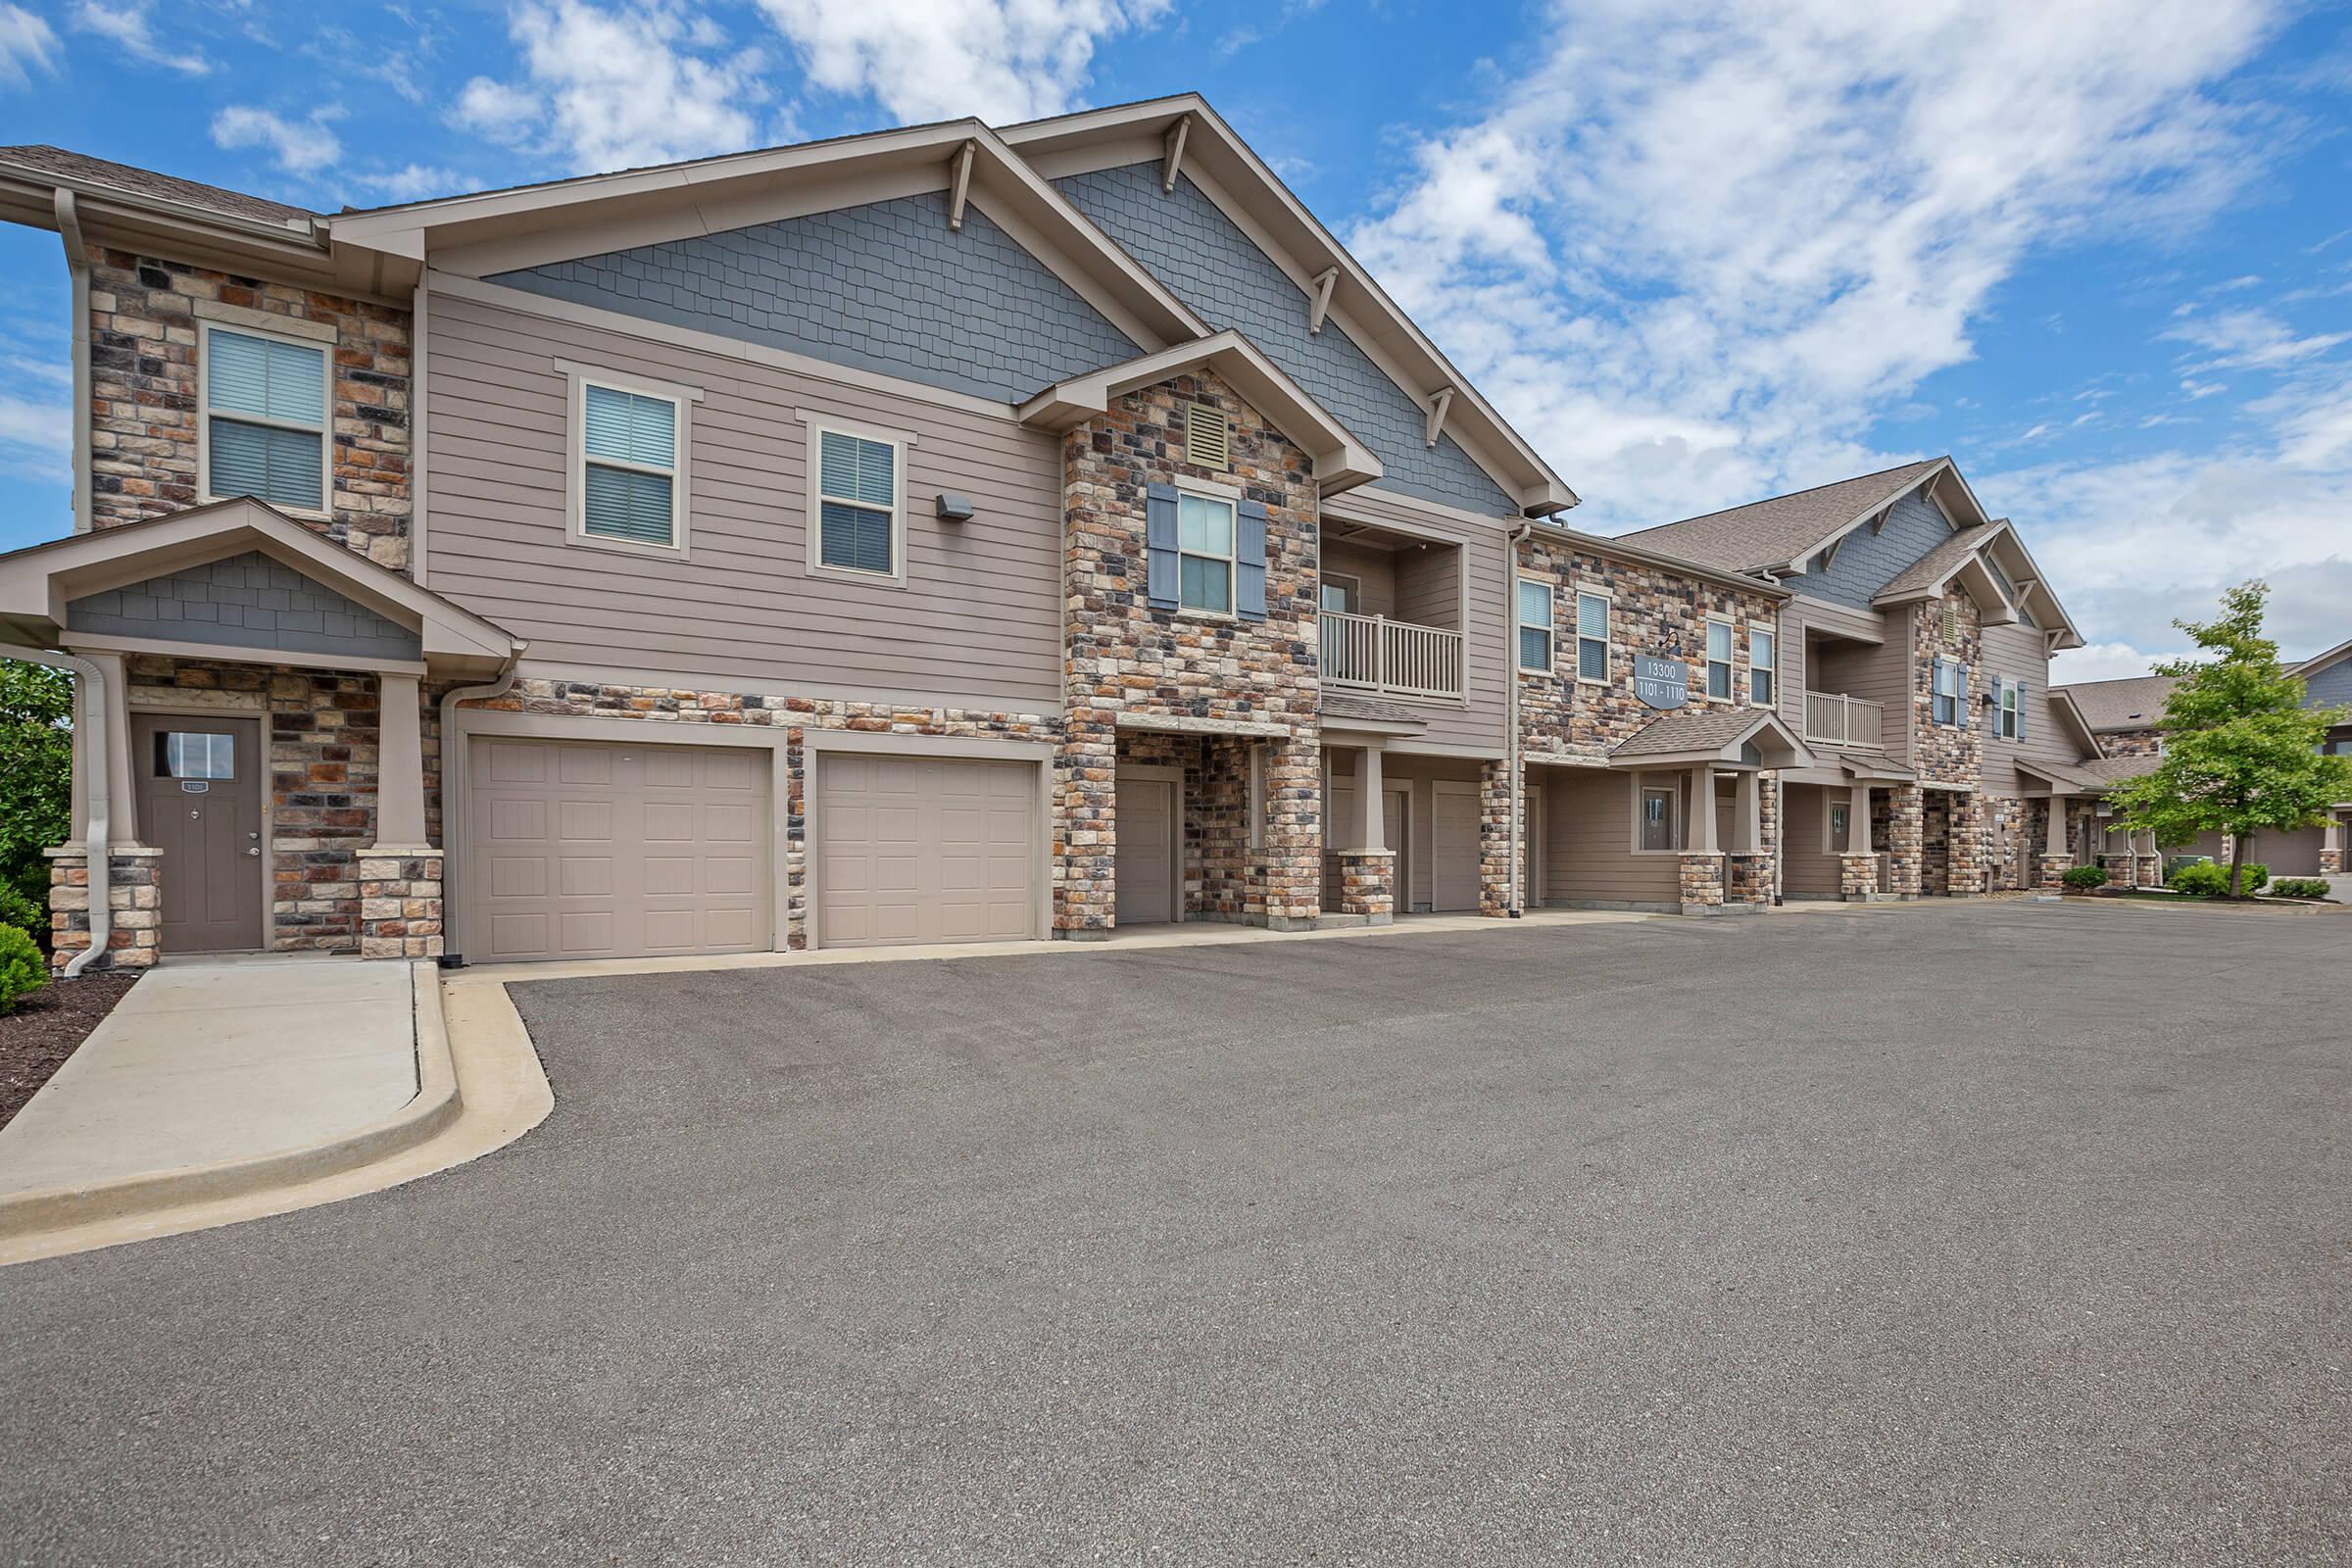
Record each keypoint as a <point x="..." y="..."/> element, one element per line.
<point x="1250" y="562"/>
<point x="1960" y="693"/>
<point x="1160" y="576"/>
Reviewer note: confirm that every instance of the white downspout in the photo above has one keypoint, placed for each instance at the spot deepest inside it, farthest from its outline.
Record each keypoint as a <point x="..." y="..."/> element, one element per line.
<point x="90" y="740"/>
<point x="77" y="269"/>
<point x="1518" y="536"/>
<point x="451" y="793"/>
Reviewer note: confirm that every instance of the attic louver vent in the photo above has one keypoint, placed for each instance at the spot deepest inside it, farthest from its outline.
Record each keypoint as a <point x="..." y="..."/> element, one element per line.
<point x="1205" y="437"/>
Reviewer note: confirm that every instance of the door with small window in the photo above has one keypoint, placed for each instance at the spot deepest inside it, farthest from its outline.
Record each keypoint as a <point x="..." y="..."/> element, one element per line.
<point x="200" y="803"/>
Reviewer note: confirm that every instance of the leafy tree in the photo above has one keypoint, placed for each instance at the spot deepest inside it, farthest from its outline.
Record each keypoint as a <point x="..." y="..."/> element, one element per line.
<point x="36" y="772"/>
<point x="2241" y="753"/>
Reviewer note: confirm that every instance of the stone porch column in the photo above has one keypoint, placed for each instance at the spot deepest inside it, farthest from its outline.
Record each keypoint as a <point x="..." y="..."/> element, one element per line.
<point x="1291" y="858"/>
<point x="1494" y="788"/>
<point x="1702" y="867"/>
<point x="1748" y="868"/>
<point x="1966" y="824"/>
<point x="1906" y="839"/>
<point x="1086" y="825"/>
<point x="2331" y="847"/>
<point x="1858" y="867"/>
<point x="401" y="904"/>
<point x="2057" y="857"/>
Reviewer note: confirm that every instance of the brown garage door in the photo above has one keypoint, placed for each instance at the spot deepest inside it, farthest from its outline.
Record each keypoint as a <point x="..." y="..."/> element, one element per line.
<point x="924" y="850"/>
<point x="594" y="850"/>
<point x="2291" y="853"/>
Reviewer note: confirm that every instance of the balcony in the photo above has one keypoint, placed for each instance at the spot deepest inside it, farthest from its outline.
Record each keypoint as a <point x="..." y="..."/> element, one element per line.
<point x="1835" y="719"/>
<point x="1389" y="658"/>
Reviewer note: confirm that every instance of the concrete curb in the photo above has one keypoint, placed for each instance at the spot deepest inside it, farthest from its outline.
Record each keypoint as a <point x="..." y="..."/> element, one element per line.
<point x="437" y="1104"/>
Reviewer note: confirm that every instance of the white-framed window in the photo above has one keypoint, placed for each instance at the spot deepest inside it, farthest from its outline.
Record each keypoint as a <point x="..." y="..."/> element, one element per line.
<point x="1657" y="814"/>
<point x="2009" y="712"/>
<point x="1593" y="637"/>
<point x="1950" y="691"/>
<point x="1719" y="659"/>
<point x="1762" y="656"/>
<point x="1205" y="533"/>
<point x="629" y="463"/>
<point x="857" y="502"/>
<point x="1535" y="626"/>
<point x="1838" y="825"/>
<point x="265" y="424"/>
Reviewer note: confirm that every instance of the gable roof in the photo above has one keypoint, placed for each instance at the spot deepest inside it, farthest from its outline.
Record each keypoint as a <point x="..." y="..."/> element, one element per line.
<point x="38" y="581"/>
<point x="83" y="168"/>
<point x="1342" y="461"/>
<point x="2133" y="701"/>
<point x="1783" y="530"/>
<point x="1187" y="133"/>
<point x="2321" y="660"/>
<point x="1713" y="735"/>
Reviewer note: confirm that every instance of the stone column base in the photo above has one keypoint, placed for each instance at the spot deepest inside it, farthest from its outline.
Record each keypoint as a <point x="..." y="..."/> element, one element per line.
<point x="1857" y="877"/>
<point x="400" y="903"/>
<point x="1749" y="879"/>
<point x="2331" y="862"/>
<point x="1702" y="884"/>
<point x="134" y="898"/>
<point x="2151" y="872"/>
<point x="2049" y="871"/>
<point x="1367" y="884"/>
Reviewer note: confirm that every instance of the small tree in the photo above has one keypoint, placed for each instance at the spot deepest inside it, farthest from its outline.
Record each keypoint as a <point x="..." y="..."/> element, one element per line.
<point x="36" y="772"/>
<point x="2241" y="753"/>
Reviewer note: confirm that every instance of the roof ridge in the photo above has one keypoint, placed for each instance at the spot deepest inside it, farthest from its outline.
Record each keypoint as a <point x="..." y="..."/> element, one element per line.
<point x="1791" y="494"/>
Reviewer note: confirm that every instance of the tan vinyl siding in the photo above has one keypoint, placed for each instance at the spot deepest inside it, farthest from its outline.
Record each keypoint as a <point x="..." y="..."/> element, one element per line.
<point x="978" y="623"/>
<point x="1430" y="594"/>
<point x="2016" y="652"/>
<point x="1587" y="850"/>
<point x="1375" y="575"/>
<point x="1879" y="673"/>
<point x="1476" y="724"/>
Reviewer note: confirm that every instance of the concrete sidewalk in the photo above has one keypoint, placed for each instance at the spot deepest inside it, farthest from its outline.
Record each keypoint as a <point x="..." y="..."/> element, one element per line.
<point x="211" y="1061"/>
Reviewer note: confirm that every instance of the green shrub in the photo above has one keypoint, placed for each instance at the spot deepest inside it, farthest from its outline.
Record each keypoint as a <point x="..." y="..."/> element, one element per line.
<point x="19" y="910"/>
<point x="21" y="971"/>
<point x="2299" y="887"/>
<point x="2082" y="878"/>
<point x="37" y="774"/>
<point x="2251" y="877"/>
<point x="2199" y="879"/>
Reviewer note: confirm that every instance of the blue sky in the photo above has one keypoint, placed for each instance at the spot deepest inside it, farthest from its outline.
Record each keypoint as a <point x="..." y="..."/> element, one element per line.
<point x="2101" y="251"/>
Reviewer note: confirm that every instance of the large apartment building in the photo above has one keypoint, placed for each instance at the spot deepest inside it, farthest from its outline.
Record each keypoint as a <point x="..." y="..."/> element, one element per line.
<point x="954" y="533"/>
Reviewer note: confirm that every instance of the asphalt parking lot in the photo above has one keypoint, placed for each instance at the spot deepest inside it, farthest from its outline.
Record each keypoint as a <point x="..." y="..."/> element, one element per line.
<point x="1990" y="1233"/>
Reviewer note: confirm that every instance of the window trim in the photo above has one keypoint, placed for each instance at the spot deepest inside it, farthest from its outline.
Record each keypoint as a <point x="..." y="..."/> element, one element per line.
<point x="1672" y="785"/>
<point x="1729" y="659"/>
<point x="1831" y="803"/>
<point x="1520" y="625"/>
<point x="1609" y="639"/>
<point x="901" y="443"/>
<point x="578" y="379"/>
<point x="1230" y="496"/>
<point x="325" y="348"/>
<point x="2008" y="709"/>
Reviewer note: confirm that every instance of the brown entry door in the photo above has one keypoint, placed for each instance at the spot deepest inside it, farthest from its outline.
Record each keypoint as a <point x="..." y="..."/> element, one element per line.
<point x="200" y="803"/>
<point x="1145" y="860"/>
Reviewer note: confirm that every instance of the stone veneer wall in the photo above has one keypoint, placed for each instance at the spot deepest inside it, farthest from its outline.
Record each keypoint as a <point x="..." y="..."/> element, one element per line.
<point x="1219" y="878"/>
<point x="1127" y="657"/>
<point x="322" y="775"/>
<point x="133" y="897"/>
<point x="2131" y="743"/>
<point x="143" y="395"/>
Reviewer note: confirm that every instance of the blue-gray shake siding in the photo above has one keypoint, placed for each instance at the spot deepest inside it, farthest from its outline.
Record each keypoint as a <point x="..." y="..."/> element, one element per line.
<point x="248" y="601"/>
<point x="1866" y="563"/>
<point x="1186" y="242"/>
<point x="2330" y="687"/>
<point x="886" y="287"/>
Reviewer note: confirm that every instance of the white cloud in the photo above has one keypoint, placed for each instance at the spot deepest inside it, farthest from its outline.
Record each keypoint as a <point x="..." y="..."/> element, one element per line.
<point x="127" y="25"/>
<point x="2250" y="340"/>
<point x="415" y="182"/>
<point x="637" y="83"/>
<point x="300" y="146"/>
<point x="25" y="42"/>
<point x="1694" y="255"/>
<point x="2105" y="662"/>
<point x="37" y="437"/>
<point x="922" y="60"/>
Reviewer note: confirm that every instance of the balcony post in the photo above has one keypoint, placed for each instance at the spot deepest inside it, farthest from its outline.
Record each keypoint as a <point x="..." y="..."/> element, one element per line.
<point x="1380" y="653"/>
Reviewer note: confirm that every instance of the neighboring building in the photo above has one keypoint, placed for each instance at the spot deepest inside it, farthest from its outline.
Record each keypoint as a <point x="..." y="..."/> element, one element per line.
<point x="944" y="534"/>
<point x="1913" y="662"/>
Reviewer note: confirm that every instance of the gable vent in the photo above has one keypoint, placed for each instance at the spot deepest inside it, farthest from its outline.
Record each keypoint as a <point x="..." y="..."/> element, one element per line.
<point x="1206" y="437"/>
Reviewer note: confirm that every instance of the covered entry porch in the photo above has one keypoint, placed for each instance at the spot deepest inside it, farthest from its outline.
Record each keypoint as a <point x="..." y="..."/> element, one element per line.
<point x="256" y="757"/>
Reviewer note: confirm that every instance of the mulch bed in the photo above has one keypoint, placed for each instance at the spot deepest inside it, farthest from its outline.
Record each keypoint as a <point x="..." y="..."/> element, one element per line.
<point x="36" y="1039"/>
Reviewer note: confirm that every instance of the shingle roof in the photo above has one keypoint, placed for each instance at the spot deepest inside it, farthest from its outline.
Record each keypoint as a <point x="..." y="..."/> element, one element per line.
<point x="2116" y="769"/>
<point x="1336" y="705"/>
<point x="1777" y="530"/>
<point x="1932" y="569"/>
<point x="2135" y="702"/>
<point x="147" y="183"/>
<point x="1670" y="733"/>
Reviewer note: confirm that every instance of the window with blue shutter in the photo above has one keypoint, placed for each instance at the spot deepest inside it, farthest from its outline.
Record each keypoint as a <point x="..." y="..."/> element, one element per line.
<point x="857" y="503"/>
<point x="265" y="418"/>
<point x="629" y="446"/>
<point x="1204" y="539"/>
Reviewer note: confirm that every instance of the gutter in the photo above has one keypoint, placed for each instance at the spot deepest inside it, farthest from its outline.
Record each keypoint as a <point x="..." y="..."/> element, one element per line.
<point x="77" y="269"/>
<point x="89" y="741"/>
<point x="1518" y="536"/>
<point x="451" y="795"/>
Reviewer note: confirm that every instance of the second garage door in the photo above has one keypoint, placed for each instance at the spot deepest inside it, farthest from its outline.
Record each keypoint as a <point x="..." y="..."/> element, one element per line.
<point x="590" y="850"/>
<point x="924" y="850"/>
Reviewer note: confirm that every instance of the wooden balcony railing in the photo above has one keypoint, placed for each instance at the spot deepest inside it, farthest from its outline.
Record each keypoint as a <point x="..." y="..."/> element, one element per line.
<point x="1836" y="720"/>
<point x="1393" y="658"/>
